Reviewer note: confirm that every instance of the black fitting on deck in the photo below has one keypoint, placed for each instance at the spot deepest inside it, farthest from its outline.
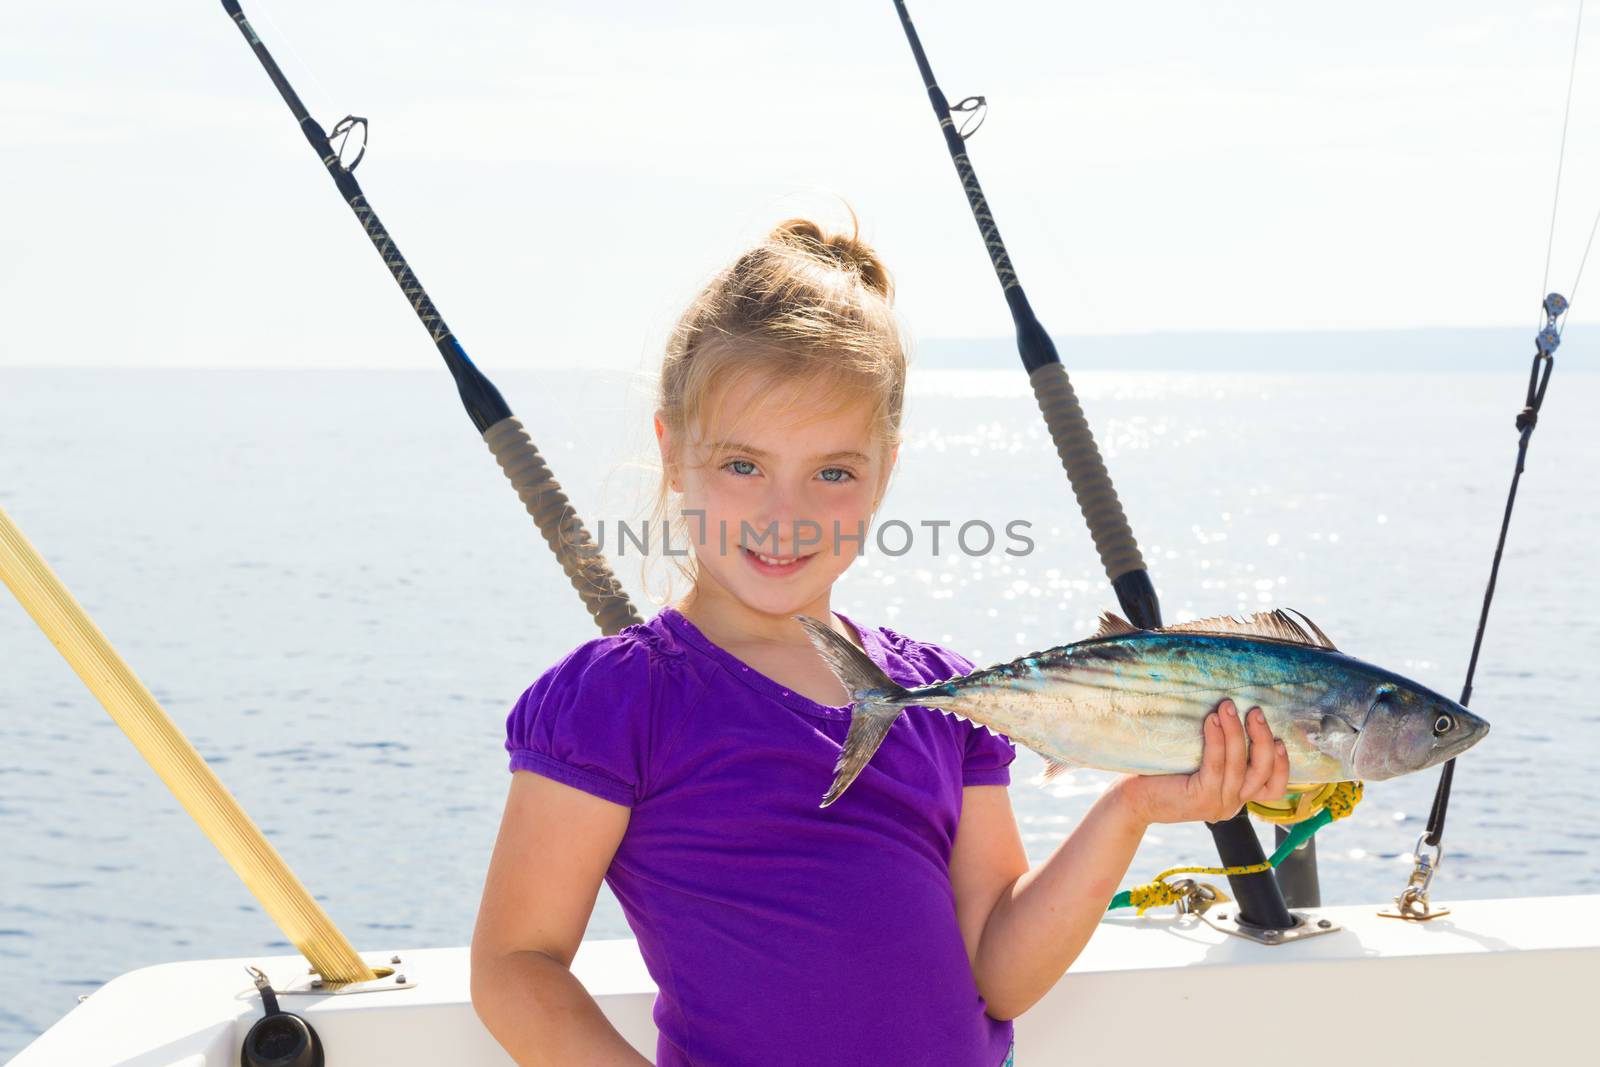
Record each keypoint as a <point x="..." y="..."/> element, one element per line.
<point x="279" y="1038"/>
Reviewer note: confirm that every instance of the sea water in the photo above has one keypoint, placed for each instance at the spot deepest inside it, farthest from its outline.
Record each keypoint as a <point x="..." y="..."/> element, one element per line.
<point x="326" y="581"/>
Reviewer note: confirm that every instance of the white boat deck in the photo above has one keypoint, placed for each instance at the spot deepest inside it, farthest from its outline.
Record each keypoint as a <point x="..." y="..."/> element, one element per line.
<point x="1496" y="981"/>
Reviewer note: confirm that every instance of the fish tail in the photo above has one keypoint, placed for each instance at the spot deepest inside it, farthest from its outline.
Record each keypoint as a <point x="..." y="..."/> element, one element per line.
<point x="876" y="702"/>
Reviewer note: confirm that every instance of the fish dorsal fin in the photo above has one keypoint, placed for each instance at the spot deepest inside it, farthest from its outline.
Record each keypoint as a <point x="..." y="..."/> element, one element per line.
<point x="1273" y="625"/>
<point x="1112" y="625"/>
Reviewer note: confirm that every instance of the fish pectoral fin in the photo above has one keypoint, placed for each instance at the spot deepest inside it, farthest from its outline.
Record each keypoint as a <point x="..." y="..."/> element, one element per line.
<point x="1339" y="724"/>
<point x="1333" y="733"/>
<point x="1055" y="768"/>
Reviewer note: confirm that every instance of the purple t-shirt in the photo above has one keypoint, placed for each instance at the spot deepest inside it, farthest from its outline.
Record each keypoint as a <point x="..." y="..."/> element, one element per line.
<point x="778" y="932"/>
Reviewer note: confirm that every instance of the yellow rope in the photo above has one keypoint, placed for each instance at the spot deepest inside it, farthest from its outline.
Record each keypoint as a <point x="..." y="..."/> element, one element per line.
<point x="1159" y="891"/>
<point x="1339" y="798"/>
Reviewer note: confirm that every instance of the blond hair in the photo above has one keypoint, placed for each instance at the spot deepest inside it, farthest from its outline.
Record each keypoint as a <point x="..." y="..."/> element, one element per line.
<point x="808" y="311"/>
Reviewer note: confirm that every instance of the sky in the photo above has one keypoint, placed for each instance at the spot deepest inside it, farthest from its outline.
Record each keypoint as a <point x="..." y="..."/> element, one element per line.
<point x="563" y="177"/>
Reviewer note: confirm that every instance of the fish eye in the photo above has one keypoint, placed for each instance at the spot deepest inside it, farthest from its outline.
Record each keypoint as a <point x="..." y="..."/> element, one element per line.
<point x="1443" y="725"/>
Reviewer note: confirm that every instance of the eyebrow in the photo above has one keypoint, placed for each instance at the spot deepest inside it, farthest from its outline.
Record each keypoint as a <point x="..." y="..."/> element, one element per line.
<point x="740" y="446"/>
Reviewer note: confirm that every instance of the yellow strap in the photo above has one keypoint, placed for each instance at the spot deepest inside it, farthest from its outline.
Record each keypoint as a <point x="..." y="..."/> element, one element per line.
<point x="1302" y="802"/>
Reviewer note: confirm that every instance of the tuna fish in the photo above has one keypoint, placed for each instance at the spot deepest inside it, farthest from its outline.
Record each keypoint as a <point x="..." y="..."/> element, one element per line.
<point x="1134" y="701"/>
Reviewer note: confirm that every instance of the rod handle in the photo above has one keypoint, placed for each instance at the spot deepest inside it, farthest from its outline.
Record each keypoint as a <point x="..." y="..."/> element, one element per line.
<point x="558" y="521"/>
<point x="1091" y="484"/>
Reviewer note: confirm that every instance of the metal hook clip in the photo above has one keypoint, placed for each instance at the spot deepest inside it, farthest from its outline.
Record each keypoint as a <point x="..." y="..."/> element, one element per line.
<point x="1196" y="897"/>
<point x="1412" y="903"/>
<point x="1423" y="871"/>
<point x="342" y="130"/>
<point x="980" y="111"/>
<point x="269" y="998"/>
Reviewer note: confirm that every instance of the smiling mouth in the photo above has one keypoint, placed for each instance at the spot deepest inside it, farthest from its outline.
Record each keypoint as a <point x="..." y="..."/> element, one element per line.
<point x="771" y="562"/>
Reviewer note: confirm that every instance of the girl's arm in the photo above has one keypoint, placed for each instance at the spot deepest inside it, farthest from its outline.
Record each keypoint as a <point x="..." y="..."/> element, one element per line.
<point x="554" y="847"/>
<point x="1023" y="927"/>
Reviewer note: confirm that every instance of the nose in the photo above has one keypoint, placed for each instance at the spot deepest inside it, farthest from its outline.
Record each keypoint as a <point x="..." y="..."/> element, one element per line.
<point x="782" y="526"/>
<point x="776" y="505"/>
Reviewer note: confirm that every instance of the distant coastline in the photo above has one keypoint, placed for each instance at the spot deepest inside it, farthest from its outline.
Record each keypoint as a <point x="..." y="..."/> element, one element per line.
<point x="1422" y="349"/>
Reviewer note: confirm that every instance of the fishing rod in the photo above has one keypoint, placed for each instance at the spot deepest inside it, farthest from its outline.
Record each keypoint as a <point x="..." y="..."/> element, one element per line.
<point x="502" y="431"/>
<point x="1260" y="901"/>
<point x="1413" y="902"/>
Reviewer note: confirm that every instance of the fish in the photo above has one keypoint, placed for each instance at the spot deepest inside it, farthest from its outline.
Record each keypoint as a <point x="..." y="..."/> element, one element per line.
<point x="1134" y="701"/>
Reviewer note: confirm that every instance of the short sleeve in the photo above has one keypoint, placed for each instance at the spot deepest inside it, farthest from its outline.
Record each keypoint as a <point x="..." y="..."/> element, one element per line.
<point x="987" y="758"/>
<point x="586" y="722"/>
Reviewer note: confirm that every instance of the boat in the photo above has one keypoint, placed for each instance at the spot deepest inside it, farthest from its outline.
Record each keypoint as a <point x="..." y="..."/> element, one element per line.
<point x="1494" y="982"/>
<point x="1483" y="981"/>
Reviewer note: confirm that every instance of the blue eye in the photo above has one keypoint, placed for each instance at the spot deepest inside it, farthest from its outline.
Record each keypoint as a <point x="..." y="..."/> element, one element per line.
<point x="844" y="474"/>
<point x="732" y="463"/>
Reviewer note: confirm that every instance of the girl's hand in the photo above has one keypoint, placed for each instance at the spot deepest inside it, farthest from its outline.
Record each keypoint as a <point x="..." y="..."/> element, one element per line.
<point x="1227" y="778"/>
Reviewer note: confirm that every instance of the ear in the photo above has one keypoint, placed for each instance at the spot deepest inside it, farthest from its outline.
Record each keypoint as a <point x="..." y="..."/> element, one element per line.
<point x="664" y="443"/>
<point x="883" y="478"/>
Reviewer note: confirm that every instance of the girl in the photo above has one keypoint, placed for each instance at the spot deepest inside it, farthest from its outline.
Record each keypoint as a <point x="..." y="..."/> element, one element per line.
<point x="683" y="760"/>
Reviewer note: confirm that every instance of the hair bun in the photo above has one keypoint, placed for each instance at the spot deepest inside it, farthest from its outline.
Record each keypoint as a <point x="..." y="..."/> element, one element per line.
<point x="844" y="251"/>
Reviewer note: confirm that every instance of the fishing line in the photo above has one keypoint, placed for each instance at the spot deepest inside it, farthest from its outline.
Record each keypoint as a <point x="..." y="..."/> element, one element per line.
<point x="279" y="34"/>
<point x="1582" y="263"/>
<point x="1561" y="160"/>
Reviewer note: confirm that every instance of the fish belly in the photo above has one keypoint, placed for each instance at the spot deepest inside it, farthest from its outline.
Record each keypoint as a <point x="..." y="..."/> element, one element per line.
<point x="1146" y="722"/>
